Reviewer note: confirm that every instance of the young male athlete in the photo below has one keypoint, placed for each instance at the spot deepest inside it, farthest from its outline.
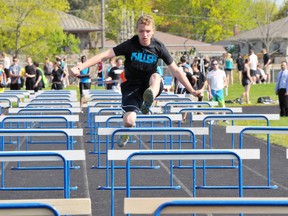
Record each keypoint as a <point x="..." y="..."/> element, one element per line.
<point x="143" y="83"/>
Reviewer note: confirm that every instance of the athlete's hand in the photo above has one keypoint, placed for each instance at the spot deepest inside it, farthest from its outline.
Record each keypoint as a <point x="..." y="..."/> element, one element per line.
<point x="75" y="71"/>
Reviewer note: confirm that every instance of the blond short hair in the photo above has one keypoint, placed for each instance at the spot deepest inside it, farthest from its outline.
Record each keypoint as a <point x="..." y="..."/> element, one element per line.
<point x="146" y="20"/>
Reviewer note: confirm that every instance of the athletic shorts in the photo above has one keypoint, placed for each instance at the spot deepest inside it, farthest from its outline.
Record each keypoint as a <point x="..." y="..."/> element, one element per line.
<point x="218" y="95"/>
<point x="253" y="72"/>
<point x="132" y="94"/>
<point x="245" y="82"/>
<point x="83" y="86"/>
<point x="228" y="71"/>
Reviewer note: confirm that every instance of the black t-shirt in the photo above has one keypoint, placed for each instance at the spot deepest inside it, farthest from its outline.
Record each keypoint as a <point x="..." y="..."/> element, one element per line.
<point x="113" y="75"/>
<point x="141" y="62"/>
<point x="200" y="79"/>
<point x="240" y="64"/>
<point x="29" y="69"/>
<point x="57" y="75"/>
<point x="38" y="74"/>
<point x="266" y="58"/>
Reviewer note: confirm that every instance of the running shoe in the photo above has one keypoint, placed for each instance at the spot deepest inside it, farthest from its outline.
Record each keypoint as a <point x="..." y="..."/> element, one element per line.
<point x="123" y="140"/>
<point x="147" y="101"/>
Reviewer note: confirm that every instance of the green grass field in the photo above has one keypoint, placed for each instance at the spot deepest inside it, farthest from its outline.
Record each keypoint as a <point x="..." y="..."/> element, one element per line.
<point x="257" y="91"/>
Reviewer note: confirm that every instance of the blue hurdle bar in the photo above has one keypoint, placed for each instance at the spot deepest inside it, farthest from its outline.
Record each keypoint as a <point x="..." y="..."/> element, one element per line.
<point x="222" y="204"/>
<point x="33" y="205"/>
<point x="195" y="154"/>
<point x="66" y="171"/>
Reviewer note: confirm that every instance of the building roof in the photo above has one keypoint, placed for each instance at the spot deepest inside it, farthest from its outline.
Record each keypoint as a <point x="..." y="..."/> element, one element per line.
<point x="75" y="24"/>
<point x="277" y="29"/>
<point x="180" y="44"/>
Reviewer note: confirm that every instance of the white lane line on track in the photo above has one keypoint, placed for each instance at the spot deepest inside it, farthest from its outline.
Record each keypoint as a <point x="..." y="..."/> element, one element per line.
<point x="167" y="169"/>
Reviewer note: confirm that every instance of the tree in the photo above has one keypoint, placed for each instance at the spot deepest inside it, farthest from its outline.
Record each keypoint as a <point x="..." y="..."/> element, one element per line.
<point x="27" y="26"/>
<point x="265" y="11"/>
<point x="204" y="20"/>
<point x="282" y="12"/>
<point x="121" y="15"/>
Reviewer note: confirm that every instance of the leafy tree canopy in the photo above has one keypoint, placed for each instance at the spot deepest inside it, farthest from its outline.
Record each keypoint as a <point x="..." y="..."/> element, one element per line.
<point x="28" y="25"/>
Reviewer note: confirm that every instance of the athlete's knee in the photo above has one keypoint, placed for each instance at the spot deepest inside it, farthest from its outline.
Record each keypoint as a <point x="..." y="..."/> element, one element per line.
<point x="129" y="119"/>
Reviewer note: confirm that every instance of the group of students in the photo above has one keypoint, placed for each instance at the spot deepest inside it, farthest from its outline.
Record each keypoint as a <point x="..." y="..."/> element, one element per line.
<point x="32" y="76"/>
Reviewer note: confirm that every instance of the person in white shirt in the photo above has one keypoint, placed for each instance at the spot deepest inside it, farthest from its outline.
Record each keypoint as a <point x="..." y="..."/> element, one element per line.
<point x="6" y="64"/>
<point x="217" y="81"/>
<point x="281" y="89"/>
<point x="253" y="59"/>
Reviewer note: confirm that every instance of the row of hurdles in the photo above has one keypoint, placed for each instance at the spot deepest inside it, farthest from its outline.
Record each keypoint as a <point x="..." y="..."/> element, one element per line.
<point x="177" y="118"/>
<point x="37" y="127"/>
<point x="96" y="115"/>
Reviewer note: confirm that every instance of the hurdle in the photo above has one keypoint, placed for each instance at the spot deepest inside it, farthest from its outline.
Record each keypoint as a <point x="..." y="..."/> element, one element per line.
<point x="51" y="104"/>
<point x="67" y="133"/>
<point x="11" y="98"/>
<point x="43" y="111"/>
<point x="206" y="118"/>
<point x="40" y="100"/>
<point x="93" y="111"/>
<point x="27" y="209"/>
<point x="177" y="155"/>
<point x="259" y="130"/>
<point x="64" y="156"/>
<point x="66" y="121"/>
<point x="145" y="131"/>
<point x="6" y="102"/>
<point x="166" y="105"/>
<point x="37" y="207"/>
<point x="167" y="121"/>
<point x="205" y="205"/>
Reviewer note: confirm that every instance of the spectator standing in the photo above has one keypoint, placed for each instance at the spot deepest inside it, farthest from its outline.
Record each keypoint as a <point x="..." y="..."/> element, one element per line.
<point x="201" y="82"/>
<point x="240" y="66"/>
<point x="48" y="67"/>
<point x="38" y="85"/>
<point x="267" y="63"/>
<point x="114" y="74"/>
<point x="64" y="67"/>
<point x="100" y="77"/>
<point x="281" y="89"/>
<point x="178" y="87"/>
<point x="229" y="69"/>
<point x="30" y="74"/>
<point x="206" y="61"/>
<point x="246" y="82"/>
<point x="2" y="79"/>
<point x="85" y="81"/>
<point x="6" y="64"/>
<point x="143" y="84"/>
<point x="217" y="81"/>
<point x="112" y="64"/>
<point x="57" y="76"/>
<point x="15" y="75"/>
<point x="253" y="61"/>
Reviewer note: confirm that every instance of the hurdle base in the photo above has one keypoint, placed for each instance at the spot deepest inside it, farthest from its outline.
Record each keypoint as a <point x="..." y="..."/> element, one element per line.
<point x="206" y="167"/>
<point x="141" y="187"/>
<point x="124" y="167"/>
<point x="35" y="188"/>
<point x="44" y="168"/>
<point x="237" y="187"/>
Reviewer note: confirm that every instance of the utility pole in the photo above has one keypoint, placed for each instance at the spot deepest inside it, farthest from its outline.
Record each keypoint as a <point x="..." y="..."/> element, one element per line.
<point x="103" y="25"/>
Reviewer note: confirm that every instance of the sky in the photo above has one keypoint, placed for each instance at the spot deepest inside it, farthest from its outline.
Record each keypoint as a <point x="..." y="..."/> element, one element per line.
<point x="279" y="2"/>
